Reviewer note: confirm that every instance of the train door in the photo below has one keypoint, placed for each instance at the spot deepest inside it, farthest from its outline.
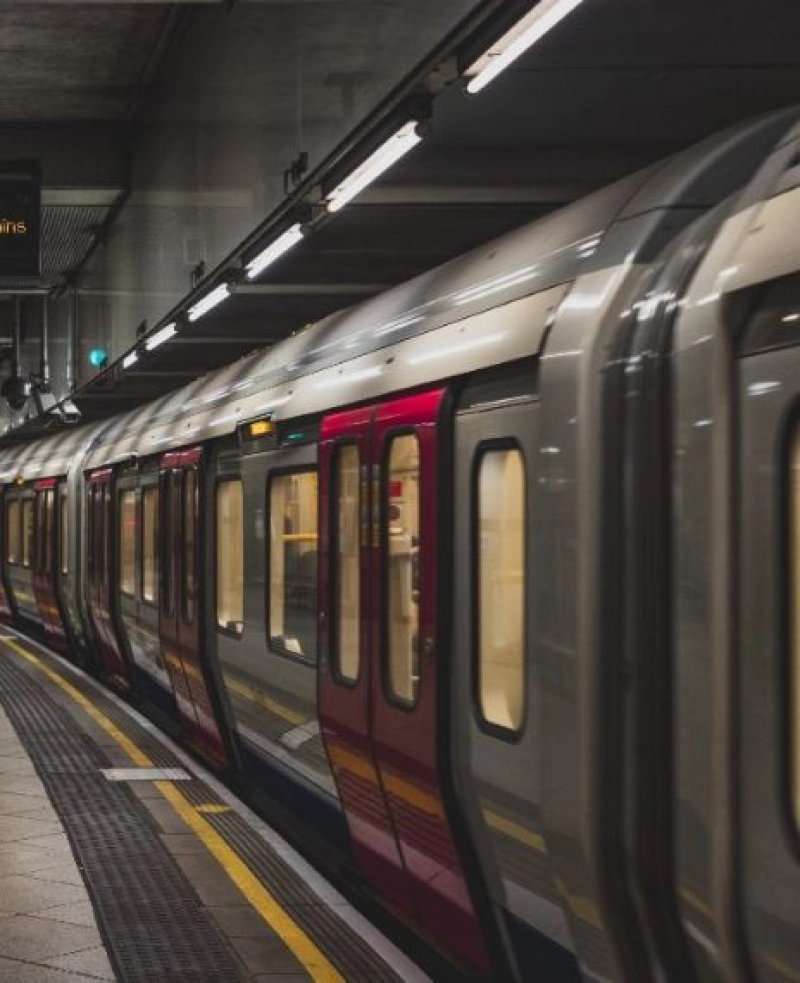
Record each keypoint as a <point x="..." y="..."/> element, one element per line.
<point x="383" y="718"/>
<point x="6" y="604"/>
<point x="181" y="618"/>
<point x="44" y="561"/>
<point x="101" y="579"/>
<point x="769" y="634"/>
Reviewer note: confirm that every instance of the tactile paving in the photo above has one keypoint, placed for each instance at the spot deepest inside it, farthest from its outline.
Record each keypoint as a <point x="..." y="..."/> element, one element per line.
<point x="154" y="925"/>
<point x="347" y="950"/>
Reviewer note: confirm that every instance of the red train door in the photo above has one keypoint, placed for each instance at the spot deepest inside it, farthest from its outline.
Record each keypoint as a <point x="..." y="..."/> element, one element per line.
<point x="44" y="562"/>
<point x="379" y="686"/>
<point x="102" y="576"/>
<point x="181" y="596"/>
<point x="6" y="608"/>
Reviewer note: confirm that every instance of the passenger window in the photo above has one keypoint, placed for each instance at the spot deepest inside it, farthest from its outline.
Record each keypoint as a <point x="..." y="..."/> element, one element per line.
<point x="12" y="530"/>
<point x="27" y="531"/>
<point x="150" y="544"/>
<point x="346" y="559"/>
<point x="500" y="557"/>
<point x="230" y="555"/>
<point x="127" y="543"/>
<point x="106" y="532"/>
<point x="794" y="628"/>
<point x="167" y="585"/>
<point x="293" y="564"/>
<point x="189" y="508"/>
<point x="401" y="535"/>
<point x="64" y="537"/>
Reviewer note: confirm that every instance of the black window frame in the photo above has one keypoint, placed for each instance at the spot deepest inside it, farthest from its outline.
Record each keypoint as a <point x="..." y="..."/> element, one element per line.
<point x="387" y="439"/>
<point x="277" y="649"/>
<point x="479" y="451"/>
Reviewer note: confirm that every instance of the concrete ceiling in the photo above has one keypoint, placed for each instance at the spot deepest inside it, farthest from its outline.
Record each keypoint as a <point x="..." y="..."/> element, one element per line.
<point x="619" y="84"/>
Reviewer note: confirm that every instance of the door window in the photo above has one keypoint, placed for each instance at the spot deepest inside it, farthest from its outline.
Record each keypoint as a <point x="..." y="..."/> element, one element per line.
<point x="64" y="537"/>
<point x="27" y="531"/>
<point x="346" y="554"/>
<point x="150" y="544"/>
<point x="401" y="522"/>
<point x="168" y="544"/>
<point x="293" y="564"/>
<point x="188" y="582"/>
<point x="127" y="543"/>
<point x="230" y="555"/>
<point x="500" y="569"/>
<point x="12" y="530"/>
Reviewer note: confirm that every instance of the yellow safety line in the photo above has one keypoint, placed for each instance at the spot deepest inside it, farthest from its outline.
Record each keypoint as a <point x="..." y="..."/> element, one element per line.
<point x="304" y="948"/>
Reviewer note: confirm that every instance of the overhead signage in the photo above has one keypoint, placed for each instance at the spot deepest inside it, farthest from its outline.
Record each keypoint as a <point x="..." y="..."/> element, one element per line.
<point x="20" y="217"/>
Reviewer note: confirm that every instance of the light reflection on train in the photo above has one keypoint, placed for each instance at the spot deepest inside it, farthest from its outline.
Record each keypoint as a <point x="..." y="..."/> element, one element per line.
<point x="463" y="604"/>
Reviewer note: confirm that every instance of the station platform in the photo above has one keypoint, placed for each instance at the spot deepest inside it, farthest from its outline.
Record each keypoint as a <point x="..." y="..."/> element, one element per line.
<point x="122" y="859"/>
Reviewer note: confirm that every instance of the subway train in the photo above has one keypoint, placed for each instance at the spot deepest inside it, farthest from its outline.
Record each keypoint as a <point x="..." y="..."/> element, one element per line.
<point x="486" y="589"/>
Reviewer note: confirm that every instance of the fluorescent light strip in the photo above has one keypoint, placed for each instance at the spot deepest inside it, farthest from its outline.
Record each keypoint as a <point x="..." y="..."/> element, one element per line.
<point x="274" y="251"/>
<point x="543" y="18"/>
<point x="211" y="299"/>
<point x="130" y="360"/>
<point x="406" y="138"/>
<point x="164" y="334"/>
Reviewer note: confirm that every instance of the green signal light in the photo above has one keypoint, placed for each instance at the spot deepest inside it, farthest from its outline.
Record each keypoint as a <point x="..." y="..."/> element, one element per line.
<point x="98" y="357"/>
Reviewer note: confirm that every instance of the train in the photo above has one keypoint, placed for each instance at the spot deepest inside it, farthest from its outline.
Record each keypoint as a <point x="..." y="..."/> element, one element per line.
<point x="488" y="588"/>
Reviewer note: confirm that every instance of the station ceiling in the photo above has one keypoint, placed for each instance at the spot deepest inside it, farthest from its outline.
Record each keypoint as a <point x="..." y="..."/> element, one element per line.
<point x="617" y="85"/>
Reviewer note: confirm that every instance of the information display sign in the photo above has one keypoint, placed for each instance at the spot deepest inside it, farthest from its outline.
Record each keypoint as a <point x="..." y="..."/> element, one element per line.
<point x="20" y="217"/>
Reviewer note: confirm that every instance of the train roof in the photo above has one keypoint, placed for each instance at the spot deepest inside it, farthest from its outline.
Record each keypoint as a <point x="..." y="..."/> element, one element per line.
<point x="439" y="324"/>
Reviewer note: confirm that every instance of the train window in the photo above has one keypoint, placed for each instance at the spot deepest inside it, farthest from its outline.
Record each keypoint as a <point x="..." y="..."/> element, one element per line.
<point x="106" y="533"/>
<point x="27" y="531"/>
<point x="794" y="608"/>
<point x="127" y="542"/>
<point x="346" y="559"/>
<point x="500" y="571"/>
<point x="167" y="585"/>
<point x="230" y="555"/>
<point x="12" y="530"/>
<point x="64" y="537"/>
<point x="150" y="544"/>
<point x="293" y="563"/>
<point x="39" y="531"/>
<point x="45" y="532"/>
<point x="401" y="517"/>
<point x="189" y="586"/>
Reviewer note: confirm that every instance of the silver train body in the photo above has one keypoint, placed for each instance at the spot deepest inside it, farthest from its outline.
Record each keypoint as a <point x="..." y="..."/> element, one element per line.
<point x="631" y="811"/>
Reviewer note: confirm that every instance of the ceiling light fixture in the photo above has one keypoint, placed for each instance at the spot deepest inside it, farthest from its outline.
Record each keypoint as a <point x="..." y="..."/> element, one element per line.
<point x="209" y="301"/>
<point x="130" y="359"/>
<point x="526" y="32"/>
<point x="274" y="251"/>
<point x="390" y="151"/>
<point x="160" y="336"/>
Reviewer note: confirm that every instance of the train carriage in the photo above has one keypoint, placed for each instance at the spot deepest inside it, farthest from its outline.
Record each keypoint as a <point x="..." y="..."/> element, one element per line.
<point x="485" y="589"/>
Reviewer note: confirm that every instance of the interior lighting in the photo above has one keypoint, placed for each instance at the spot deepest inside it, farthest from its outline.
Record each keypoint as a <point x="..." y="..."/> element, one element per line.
<point x="130" y="359"/>
<point x="525" y="33"/>
<point x="209" y="301"/>
<point x="274" y="251"/>
<point x="397" y="146"/>
<point x="164" y="334"/>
